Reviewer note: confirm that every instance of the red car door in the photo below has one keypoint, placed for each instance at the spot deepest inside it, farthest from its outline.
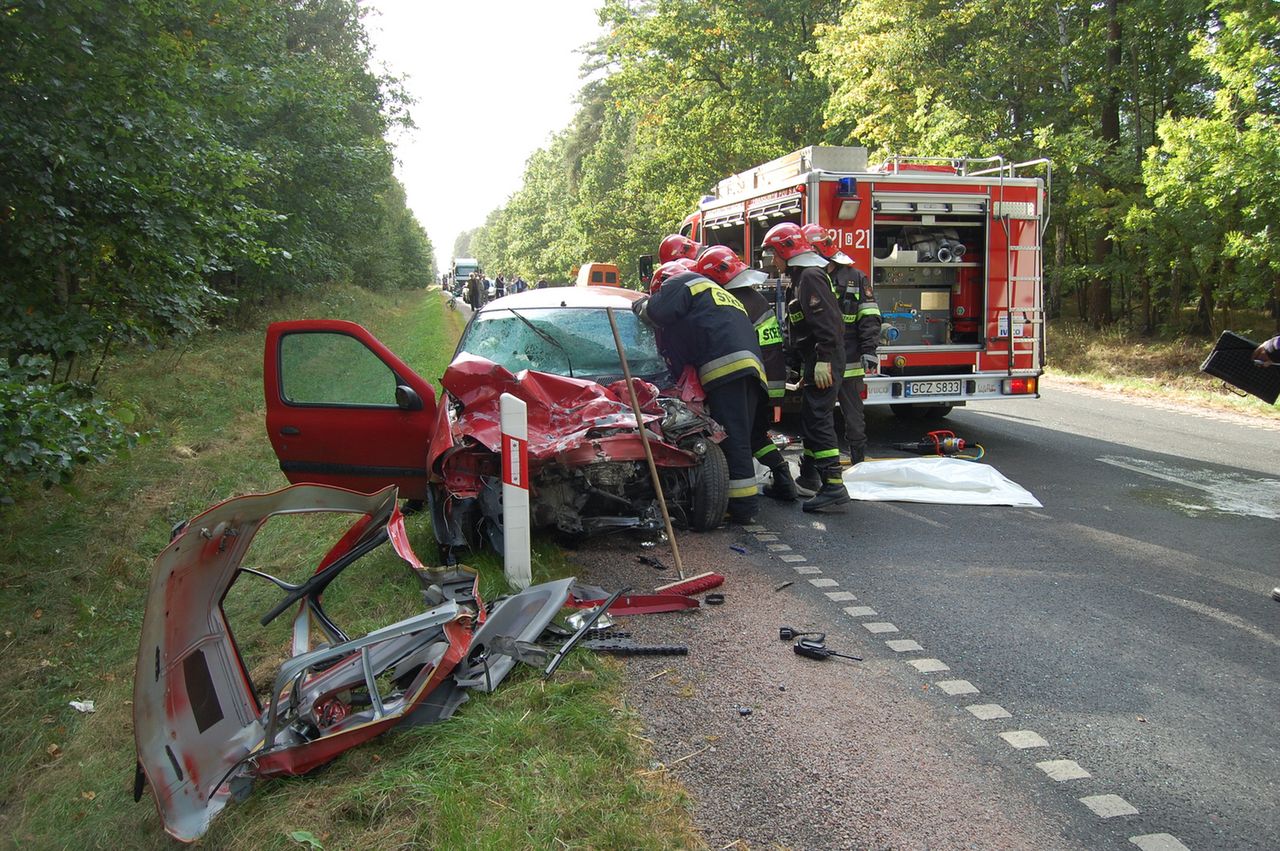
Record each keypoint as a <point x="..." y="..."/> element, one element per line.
<point x="343" y="410"/>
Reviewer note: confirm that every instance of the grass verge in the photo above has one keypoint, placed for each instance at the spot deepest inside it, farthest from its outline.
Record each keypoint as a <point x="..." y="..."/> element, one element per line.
<point x="1154" y="368"/>
<point x="535" y="765"/>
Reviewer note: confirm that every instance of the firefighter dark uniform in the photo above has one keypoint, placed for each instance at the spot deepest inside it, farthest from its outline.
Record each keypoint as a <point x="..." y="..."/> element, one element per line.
<point x="815" y="316"/>
<point x="861" y="317"/>
<point x="707" y="327"/>
<point x="723" y="266"/>
<point x="817" y="327"/>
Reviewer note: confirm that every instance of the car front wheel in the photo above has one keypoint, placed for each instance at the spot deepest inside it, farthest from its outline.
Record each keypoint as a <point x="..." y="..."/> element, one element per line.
<point x="710" y="486"/>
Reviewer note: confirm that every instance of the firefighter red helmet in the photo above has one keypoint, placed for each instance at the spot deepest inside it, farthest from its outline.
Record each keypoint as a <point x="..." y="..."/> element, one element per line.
<point x="675" y="246"/>
<point x="787" y="241"/>
<point x="720" y="264"/>
<point x="824" y="242"/>
<point x="667" y="271"/>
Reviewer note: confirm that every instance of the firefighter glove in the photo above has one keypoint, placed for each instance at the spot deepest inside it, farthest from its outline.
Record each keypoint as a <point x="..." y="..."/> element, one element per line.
<point x="870" y="364"/>
<point x="638" y="308"/>
<point x="822" y="375"/>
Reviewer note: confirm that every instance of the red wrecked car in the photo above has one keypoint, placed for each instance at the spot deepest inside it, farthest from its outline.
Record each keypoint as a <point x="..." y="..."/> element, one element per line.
<point x="344" y="410"/>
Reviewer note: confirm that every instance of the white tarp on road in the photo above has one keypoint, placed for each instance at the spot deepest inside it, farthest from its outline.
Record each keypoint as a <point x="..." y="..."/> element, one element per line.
<point x="946" y="481"/>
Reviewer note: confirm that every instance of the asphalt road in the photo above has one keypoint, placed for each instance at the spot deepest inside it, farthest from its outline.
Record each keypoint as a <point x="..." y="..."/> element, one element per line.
<point x="1128" y="622"/>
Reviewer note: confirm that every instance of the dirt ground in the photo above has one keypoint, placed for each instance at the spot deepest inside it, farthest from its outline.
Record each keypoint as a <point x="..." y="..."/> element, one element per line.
<point x="778" y="751"/>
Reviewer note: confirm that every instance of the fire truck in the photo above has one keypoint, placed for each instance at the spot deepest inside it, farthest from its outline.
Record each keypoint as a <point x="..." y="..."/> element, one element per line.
<point x="954" y="248"/>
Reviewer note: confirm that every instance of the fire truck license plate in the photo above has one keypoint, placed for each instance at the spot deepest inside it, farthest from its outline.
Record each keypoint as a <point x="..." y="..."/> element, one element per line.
<point x="934" y="388"/>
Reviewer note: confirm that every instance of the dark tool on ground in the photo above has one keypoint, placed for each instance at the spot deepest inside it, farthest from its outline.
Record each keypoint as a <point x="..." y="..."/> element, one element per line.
<point x="652" y="562"/>
<point x="786" y="633"/>
<point x="817" y="650"/>
<point x="941" y="442"/>
<point x="693" y="584"/>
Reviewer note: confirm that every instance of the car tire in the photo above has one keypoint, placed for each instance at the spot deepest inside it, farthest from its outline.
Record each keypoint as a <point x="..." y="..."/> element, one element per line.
<point x="710" y="490"/>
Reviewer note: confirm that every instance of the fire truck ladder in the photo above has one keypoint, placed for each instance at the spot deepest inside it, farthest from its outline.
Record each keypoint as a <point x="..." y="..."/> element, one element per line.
<point x="1004" y="212"/>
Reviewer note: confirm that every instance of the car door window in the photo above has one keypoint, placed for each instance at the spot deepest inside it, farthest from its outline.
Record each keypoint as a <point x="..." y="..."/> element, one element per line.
<point x="319" y="368"/>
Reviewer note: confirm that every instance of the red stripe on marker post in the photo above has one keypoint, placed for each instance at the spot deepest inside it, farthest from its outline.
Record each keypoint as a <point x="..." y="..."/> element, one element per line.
<point x="515" y="462"/>
<point x="517" y="560"/>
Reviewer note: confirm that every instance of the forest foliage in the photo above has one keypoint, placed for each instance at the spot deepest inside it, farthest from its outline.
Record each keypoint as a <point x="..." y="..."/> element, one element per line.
<point x="163" y="161"/>
<point x="1161" y="116"/>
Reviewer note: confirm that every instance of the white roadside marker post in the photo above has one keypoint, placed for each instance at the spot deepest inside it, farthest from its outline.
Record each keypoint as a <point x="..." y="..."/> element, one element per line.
<point x="516" y="558"/>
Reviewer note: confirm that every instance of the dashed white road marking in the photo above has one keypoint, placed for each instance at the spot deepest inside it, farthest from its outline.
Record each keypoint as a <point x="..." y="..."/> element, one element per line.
<point x="756" y="529"/>
<point x="823" y="582"/>
<point x="879" y="627"/>
<point x="765" y="537"/>
<point x="988" y="711"/>
<point x="1158" y="842"/>
<point x="897" y="645"/>
<point x="1022" y="739"/>
<point x="859" y="611"/>
<point x="778" y="548"/>
<point x="792" y="558"/>
<point x="954" y="687"/>
<point x="920" y="518"/>
<point x="929" y="666"/>
<point x="806" y="569"/>
<point x="1063" y="769"/>
<point x="1109" y="806"/>
<point x="1039" y="515"/>
<point x="840" y="596"/>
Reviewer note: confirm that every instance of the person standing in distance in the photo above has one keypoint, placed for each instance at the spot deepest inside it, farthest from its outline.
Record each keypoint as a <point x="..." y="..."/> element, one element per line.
<point x="723" y="266"/>
<point x="704" y="326"/>
<point x="861" y="316"/>
<point x="815" y="311"/>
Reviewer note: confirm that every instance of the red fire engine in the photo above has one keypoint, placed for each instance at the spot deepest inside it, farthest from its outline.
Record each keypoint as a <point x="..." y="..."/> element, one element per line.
<point x="953" y="246"/>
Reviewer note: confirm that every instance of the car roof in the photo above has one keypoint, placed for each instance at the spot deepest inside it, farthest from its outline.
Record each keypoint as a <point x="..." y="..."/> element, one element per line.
<point x="599" y="297"/>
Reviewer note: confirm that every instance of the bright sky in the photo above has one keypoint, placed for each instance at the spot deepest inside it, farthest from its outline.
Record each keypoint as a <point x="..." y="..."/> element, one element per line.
<point x="493" y="79"/>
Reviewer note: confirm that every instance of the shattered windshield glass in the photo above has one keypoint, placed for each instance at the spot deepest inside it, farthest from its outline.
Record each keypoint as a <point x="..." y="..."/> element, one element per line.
<point x="565" y="341"/>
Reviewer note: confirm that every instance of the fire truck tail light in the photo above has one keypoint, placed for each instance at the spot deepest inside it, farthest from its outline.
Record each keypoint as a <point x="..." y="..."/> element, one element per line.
<point x="863" y="391"/>
<point x="1019" y="386"/>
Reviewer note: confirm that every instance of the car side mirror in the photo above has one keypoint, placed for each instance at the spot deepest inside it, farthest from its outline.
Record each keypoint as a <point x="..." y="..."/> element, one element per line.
<point x="407" y="399"/>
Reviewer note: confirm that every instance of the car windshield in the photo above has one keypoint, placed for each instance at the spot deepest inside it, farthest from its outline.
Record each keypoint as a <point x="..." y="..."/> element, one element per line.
<point x="573" y="341"/>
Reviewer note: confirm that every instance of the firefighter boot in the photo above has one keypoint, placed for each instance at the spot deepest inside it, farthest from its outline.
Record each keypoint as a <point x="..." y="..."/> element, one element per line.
<point x="830" y="496"/>
<point x="809" y="482"/>
<point x="783" y="487"/>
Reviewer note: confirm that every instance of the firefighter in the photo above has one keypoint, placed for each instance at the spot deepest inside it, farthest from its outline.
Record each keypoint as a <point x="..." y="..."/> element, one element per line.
<point x="724" y="267"/>
<point x="818" y="326"/>
<point x="861" y="317"/>
<point x="704" y="326"/>
<point x="677" y="245"/>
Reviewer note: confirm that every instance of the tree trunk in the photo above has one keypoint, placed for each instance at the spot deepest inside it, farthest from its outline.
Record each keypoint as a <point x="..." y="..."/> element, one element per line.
<point x="1059" y="262"/>
<point x="1099" y="296"/>
<point x="1144" y="287"/>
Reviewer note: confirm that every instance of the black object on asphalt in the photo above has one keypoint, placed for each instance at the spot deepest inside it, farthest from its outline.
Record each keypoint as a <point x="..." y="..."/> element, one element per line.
<point x="811" y="649"/>
<point x="716" y="599"/>
<point x="652" y="562"/>
<point x="786" y="633"/>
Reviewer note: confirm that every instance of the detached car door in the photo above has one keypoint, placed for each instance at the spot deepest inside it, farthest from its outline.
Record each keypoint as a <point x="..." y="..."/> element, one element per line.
<point x="343" y="410"/>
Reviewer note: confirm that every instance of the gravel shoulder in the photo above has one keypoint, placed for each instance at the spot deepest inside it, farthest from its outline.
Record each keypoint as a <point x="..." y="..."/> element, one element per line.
<point x="778" y="751"/>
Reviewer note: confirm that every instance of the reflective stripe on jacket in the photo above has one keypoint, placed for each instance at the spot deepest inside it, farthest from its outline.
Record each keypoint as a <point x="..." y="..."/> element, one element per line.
<point x="704" y="325"/>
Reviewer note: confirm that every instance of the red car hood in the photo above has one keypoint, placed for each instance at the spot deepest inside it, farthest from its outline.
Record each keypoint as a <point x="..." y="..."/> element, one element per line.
<point x="563" y="412"/>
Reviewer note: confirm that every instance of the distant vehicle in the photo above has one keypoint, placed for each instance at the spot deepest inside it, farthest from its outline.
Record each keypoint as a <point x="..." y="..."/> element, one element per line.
<point x="343" y="410"/>
<point x="463" y="267"/>
<point x="598" y="274"/>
